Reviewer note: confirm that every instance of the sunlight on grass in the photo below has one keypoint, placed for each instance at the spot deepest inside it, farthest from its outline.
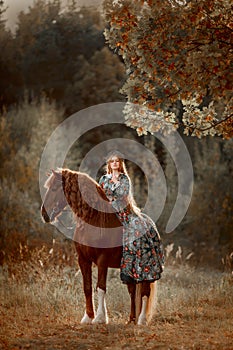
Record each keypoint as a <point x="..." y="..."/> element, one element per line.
<point x="37" y="294"/>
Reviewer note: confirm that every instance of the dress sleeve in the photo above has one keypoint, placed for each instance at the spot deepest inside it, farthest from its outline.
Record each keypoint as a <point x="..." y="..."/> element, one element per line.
<point x="101" y="181"/>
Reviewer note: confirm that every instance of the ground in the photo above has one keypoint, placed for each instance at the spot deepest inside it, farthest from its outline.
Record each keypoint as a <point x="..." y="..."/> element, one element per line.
<point x="41" y="309"/>
<point x="173" y="333"/>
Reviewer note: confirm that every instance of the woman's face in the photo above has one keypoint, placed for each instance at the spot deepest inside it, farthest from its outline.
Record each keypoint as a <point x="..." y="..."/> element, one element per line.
<point x="114" y="163"/>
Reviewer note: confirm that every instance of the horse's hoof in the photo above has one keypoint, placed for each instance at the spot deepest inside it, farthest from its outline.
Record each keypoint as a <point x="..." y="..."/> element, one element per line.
<point x="131" y="321"/>
<point x="86" y="319"/>
<point x="142" y="321"/>
<point x="100" y="319"/>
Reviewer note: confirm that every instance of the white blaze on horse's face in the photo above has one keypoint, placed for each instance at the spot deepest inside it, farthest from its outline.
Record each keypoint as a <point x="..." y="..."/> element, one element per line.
<point x="54" y="200"/>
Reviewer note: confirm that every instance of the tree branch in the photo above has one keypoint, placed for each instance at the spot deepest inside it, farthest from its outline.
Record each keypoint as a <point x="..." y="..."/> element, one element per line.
<point x="214" y="125"/>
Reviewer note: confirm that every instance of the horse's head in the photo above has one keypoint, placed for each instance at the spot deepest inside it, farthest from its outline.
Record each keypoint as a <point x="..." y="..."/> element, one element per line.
<point x="54" y="200"/>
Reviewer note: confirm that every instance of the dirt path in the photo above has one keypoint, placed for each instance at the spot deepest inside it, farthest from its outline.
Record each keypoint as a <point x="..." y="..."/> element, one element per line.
<point x="169" y="333"/>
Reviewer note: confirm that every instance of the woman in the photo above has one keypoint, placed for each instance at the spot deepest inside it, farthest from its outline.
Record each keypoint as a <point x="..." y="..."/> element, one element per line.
<point x="143" y="257"/>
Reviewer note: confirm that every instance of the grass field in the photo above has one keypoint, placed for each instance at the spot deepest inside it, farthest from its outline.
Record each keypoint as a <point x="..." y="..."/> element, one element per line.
<point x="42" y="303"/>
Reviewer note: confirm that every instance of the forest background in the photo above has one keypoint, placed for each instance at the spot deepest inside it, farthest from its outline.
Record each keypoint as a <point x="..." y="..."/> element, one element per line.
<point x="56" y="62"/>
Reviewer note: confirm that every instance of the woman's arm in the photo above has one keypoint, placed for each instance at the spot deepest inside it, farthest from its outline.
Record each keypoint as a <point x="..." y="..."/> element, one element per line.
<point x="122" y="187"/>
<point x="101" y="181"/>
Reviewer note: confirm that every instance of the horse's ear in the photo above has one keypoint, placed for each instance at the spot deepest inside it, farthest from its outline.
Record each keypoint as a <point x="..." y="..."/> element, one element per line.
<point x="57" y="175"/>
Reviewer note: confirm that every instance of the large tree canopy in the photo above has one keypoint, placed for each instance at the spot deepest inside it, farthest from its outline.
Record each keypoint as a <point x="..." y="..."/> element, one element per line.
<point x="178" y="57"/>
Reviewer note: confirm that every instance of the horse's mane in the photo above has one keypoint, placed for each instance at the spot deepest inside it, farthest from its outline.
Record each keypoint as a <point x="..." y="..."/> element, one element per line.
<point x="90" y="202"/>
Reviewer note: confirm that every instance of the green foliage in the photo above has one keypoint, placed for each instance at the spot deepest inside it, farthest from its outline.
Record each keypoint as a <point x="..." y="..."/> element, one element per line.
<point x="10" y="77"/>
<point x="97" y="82"/>
<point x="50" y="49"/>
<point x="54" y="52"/>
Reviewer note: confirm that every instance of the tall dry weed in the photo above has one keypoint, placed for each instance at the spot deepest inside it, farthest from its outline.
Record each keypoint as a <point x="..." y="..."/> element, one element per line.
<point x="49" y="286"/>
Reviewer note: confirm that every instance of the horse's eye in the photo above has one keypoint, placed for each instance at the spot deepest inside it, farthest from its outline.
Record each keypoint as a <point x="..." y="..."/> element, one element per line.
<point x="54" y="189"/>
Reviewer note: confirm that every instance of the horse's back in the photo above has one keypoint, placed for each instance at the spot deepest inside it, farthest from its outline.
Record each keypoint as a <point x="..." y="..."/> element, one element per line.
<point x="107" y="257"/>
<point x="92" y="235"/>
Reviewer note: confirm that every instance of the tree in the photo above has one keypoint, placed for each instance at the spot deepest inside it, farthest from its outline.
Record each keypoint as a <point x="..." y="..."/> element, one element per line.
<point x="2" y="11"/>
<point x="178" y="57"/>
<point x="56" y="49"/>
<point x="10" y="78"/>
<point x="95" y="81"/>
<point x="37" y="43"/>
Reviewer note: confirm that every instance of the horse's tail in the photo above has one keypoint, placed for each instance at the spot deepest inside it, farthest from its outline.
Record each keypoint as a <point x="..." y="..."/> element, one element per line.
<point x="151" y="305"/>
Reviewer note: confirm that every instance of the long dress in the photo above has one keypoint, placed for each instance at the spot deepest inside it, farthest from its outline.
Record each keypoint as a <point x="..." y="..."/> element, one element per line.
<point x="143" y="257"/>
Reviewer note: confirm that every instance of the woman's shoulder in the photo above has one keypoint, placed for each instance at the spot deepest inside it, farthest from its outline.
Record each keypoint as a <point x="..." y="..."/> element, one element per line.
<point x="123" y="176"/>
<point x="104" y="177"/>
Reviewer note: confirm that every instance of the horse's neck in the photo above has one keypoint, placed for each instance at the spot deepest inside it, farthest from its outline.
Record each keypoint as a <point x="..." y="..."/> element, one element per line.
<point x="82" y="202"/>
<point x="90" y="204"/>
<point x="71" y="191"/>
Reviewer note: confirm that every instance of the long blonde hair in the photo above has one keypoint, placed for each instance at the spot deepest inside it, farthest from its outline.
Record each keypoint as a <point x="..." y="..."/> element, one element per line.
<point x="122" y="169"/>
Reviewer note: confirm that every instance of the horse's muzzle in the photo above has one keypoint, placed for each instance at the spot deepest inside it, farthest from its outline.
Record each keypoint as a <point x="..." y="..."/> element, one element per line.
<point x="44" y="214"/>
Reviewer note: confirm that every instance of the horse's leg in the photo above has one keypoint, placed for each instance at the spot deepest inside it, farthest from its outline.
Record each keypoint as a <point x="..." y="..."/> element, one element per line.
<point x="86" y="271"/>
<point x="145" y="294"/>
<point x="132" y="290"/>
<point x="101" y="315"/>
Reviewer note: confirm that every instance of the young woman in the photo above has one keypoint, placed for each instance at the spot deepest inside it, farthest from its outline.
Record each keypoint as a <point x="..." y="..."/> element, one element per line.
<point x="143" y="256"/>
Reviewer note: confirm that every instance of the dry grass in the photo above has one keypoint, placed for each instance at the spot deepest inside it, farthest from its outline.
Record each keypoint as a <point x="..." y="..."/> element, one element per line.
<point x="42" y="303"/>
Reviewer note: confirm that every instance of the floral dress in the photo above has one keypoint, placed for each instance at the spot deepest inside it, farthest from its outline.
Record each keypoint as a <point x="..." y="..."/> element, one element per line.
<point x="143" y="257"/>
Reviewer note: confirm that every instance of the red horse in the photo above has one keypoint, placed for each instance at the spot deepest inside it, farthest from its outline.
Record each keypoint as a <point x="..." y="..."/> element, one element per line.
<point x="98" y="240"/>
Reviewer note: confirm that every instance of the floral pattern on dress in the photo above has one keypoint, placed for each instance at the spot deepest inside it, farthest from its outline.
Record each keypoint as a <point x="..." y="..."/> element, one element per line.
<point x="143" y="256"/>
